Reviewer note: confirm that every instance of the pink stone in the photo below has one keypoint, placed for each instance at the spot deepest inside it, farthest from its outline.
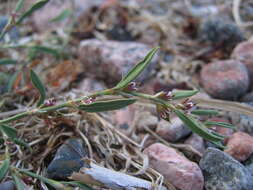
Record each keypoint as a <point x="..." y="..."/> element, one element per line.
<point x="110" y="60"/>
<point x="240" y="146"/>
<point x="123" y="118"/>
<point x="41" y="18"/>
<point x="176" y="169"/>
<point x="227" y="79"/>
<point x="244" y="53"/>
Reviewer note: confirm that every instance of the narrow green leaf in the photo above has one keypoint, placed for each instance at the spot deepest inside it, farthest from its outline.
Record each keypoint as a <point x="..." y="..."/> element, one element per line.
<point x="218" y="134"/>
<point x="62" y="16"/>
<point x="221" y="124"/>
<point x="11" y="82"/>
<point x="9" y="131"/>
<point x="197" y="127"/>
<point x="55" y="184"/>
<point x="77" y="184"/>
<point x="4" y="168"/>
<point x="205" y="112"/>
<point x="109" y="105"/>
<point x="7" y="61"/>
<point x="179" y="94"/>
<point x="35" y="49"/>
<point x="136" y="70"/>
<point x="32" y="9"/>
<point x="19" y="5"/>
<point x="38" y="84"/>
<point x="18" y="182"/>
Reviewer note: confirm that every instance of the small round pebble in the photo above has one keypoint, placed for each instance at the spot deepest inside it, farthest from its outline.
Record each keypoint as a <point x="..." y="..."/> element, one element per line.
<point x="226" y="79"/>
<point x="244" y="53"/>
<point x="173" y="131"/>
<point x="221" y="33"/>
<point x="240" y="146"/>
<point x="223" y="172"/>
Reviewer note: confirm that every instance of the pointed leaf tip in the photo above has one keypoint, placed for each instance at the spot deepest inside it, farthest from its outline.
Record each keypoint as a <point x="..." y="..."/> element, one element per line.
<point x="40" y="87"/>
<point x="136" y="70"/>
<point x="9" y="131"/>
<point x="32" y="9"/>
<point x="180" y="94"/>
<point x="197" y="127"/>
<point x="4" y="168"/>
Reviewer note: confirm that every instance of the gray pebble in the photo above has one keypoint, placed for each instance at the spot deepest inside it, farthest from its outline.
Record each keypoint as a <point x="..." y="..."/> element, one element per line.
<point x="222" y="172"/>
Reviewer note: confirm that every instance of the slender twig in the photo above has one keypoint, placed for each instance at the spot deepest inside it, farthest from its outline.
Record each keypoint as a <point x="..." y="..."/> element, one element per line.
<point x="73" y="103"/>
<point x="37" y="111"/>
<point x="12" y="112"/>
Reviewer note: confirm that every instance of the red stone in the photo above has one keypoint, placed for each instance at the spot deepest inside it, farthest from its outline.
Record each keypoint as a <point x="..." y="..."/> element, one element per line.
<point x="240" y="146"/>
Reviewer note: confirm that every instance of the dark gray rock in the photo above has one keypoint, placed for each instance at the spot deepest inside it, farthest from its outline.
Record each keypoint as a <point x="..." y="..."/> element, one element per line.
<point x="242" y="122"/>
<point x="247" y="98"/>
<point x="222" y="172"/>
<point x="249" y="164"/>
<point x="8" y="185"/>
<point x="68" y="159"/>
<point x="219" y="32"/>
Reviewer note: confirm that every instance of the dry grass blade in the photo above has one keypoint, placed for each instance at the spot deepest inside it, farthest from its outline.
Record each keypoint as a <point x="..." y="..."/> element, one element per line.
<point x="109" y="125"/>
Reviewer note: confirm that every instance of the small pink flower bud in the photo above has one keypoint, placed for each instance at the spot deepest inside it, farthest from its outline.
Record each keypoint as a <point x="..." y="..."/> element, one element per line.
<point x="166" y="95"/>
<point x="188" y="104"/>
<point x="50" y="102"/>
<point x="163" y="112"/>
<point x="89" y="100"/>
<point x="132" y="86"/>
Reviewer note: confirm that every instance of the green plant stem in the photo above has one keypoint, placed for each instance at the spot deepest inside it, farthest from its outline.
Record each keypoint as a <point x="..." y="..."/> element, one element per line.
<point x="71" y="103"/>
<point x="148" y="97"/>
<point x="57" y="185"/>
